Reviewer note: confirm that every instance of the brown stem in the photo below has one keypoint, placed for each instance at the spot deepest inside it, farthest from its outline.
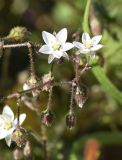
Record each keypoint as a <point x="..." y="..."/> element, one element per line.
<point x="44" y="141"/>
<point x="38" y="86"/>
<point x="72" y="96"/>
<point x="50" y="99"/>
<point x="18" y="45"/>
<point x="30" y="54"/>
<point x="18" y="113"/>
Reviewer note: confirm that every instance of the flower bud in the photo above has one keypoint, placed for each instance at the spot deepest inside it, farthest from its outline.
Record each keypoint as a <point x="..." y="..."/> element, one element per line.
<point x="70" y="120"/>
<point x="80" y="97"/>
<point x="18" y="33"/>
<point x="45" y="79"/>
<point x="27" y="149"/>
<point x="60" y="61"/>
<point x="20" y="137"/>
<point x="17" y="154"/>
<point x="47" y="118"/>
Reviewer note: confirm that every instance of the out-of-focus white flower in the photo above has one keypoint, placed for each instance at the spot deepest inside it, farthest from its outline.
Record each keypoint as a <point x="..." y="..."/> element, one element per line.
<point x="8" y="124"/>
<point x="45" y="79"/>
<point x="56" y="45"/>
<point x="30" y="84"/>
<point x="88" y="44"/>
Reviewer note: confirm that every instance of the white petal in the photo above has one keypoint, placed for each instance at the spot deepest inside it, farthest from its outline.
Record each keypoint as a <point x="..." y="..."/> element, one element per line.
<point x="8" y="113"/>
<point x="67" y="46"/>
<point x="85" y="37"/>
<point x="57" y="54"/>
<point x="8" y="140"/>
<point x="50" y="58"/>
<point x="21" y="119"/>
<point x="78" y="45"/>
<point x="10" y="131"/>
<point x="26" y="86"/>
<point x="66" y="55"/>
<point x="3" y="133"/>
<point x="96" y="39"/>
<point x="2" y="122"/>
<point x="97" y="47"/>
<point x="45" y="49"/>
<point x="62" y="35"/>
<point x="84" y="51"/>
<point x="48" y="37"/>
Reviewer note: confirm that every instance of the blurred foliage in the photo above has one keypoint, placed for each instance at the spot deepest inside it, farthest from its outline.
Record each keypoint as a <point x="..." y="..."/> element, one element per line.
<point x="101" y="116"/>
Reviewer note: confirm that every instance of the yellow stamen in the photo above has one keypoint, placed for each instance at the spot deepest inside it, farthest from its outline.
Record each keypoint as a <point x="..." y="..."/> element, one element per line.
<point x="8" y="125"/>
<point x="88" y="44"/>
<point x="56" y="46"/>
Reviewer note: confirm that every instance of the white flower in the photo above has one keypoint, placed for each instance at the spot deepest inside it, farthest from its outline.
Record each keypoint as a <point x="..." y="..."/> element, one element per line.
<point x="56" y="45"/>
<point x="88" y="44"/>
<point x="8" y="124"/>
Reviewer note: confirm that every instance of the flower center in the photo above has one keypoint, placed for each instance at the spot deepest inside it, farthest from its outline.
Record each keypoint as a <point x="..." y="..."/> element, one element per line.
<point x="56" y="46"/>
<point x="88" y="44"/>
<point x="8" y="125"/>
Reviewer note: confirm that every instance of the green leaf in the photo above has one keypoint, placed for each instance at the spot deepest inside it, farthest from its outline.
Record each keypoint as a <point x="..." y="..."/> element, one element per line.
<point x="106" y="83"/>
<point x="86" y="17"/>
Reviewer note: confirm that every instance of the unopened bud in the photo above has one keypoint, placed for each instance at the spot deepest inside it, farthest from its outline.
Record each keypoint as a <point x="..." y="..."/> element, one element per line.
<point x="27" y="149"/>
<point x="47" y="118"/>
<point x="18" y="34"/>
<point x="70" y="120"/>
<point x="80" y="97"/>
<point x="17" y="154"/>
<point x="45" y="79"/>
<point x="60" y="61"/>
<point x="95" y="25"/>
<point x="19" y="137"/>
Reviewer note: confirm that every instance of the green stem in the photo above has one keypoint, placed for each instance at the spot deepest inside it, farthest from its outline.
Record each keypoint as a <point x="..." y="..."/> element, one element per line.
<point x="86" y="17"/>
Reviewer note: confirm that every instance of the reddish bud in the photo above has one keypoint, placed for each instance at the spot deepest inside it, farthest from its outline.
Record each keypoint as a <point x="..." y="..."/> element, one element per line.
<point x="70" y="120"/>
<point x="17" y="154"/>
<point x="47" y="118"/>
<point x="80" y="97"/>
<point x="27" y="149"/>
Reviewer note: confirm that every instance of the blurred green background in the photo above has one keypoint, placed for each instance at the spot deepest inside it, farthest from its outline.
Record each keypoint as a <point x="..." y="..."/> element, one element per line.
<point x="99" y="123"/>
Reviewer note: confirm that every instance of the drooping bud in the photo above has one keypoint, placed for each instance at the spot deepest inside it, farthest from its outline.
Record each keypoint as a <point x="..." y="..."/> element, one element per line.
<point x="27" y="149"/>
<point x="45" y="79"/>
<point x="95" y="24"/>
<point x="70" y="120"/>
<point x="60" y="61"/>
<point x="19" y="136"/>
<point x="17" y="154"/>
<point x="81" y="96"/>
<point x="18" y="34"/>
<point x="47" y="118"/>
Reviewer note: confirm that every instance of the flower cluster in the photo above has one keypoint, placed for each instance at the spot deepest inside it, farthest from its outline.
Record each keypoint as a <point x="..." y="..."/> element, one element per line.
<point x="56" y="45"/>
<point x="8" y="124"/>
